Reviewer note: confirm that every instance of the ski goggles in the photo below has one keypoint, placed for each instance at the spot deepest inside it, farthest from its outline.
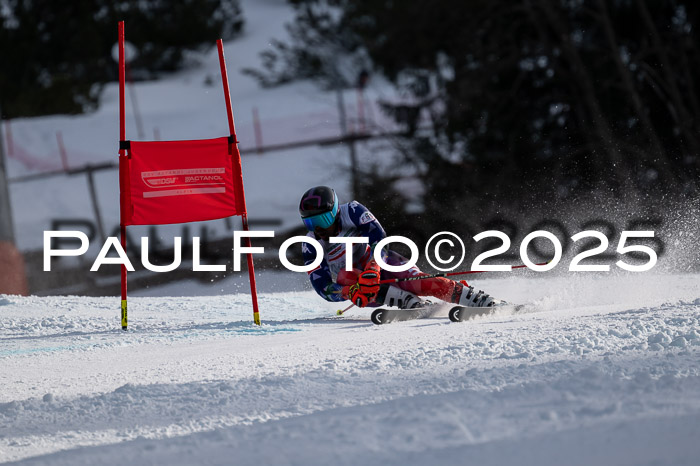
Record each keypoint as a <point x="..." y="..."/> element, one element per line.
<point x="323" y="220"/>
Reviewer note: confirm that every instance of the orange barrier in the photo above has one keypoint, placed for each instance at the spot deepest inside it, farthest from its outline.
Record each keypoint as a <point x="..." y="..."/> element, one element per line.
<point x="13" y="279"/>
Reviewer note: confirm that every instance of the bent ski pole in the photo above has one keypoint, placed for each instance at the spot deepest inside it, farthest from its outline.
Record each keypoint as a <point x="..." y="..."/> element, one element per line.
<point x="445" y="274"/>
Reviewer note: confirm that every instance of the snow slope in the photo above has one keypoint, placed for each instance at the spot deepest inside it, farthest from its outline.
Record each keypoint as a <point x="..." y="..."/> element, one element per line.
<point x="603" y="370"/>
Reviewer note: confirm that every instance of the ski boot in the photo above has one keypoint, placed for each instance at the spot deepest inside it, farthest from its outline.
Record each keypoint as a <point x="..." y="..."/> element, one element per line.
<point x="393" y="296"/>
<point x="467" y="297"/>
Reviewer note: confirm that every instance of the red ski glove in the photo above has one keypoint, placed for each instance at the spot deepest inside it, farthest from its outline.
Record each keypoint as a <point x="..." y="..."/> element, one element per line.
<point x="369" y="279"/>
<point x="365" y="290"/>
<point x="358" y="297"/>
<point x="372" y="265"/>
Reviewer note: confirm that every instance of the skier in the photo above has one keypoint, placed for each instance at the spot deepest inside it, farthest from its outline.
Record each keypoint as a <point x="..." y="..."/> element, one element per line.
<point x="324" y="217"/>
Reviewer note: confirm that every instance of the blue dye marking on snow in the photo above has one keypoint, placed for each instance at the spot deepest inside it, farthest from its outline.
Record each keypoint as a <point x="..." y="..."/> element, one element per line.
<point x="236" y="328"/>
<point x="45" y="349"/>
<point x="231" y="329"/>
<point x="263" y="330"/>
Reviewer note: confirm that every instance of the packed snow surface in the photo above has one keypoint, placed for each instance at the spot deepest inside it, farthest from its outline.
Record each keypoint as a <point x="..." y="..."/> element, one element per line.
<point x="598" y="370"/>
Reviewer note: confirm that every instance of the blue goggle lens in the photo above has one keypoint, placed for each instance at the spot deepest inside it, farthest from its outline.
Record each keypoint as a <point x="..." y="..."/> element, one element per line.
<point x="321" y="220"/>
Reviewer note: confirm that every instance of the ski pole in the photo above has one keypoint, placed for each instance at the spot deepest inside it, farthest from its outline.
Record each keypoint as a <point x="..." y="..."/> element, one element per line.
<point x="343" y="311"/>
<point x="445" y="274"/>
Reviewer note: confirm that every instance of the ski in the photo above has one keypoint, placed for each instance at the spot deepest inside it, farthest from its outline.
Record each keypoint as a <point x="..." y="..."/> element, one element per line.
<point x="384" y="316"/>
<point x="456" y="313"/>
<point x="462" y="313"/>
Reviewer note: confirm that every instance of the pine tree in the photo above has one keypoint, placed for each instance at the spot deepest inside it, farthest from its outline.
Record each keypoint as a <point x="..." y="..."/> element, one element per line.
<point x="525" y="99"/>
<point x="57" y="55"/>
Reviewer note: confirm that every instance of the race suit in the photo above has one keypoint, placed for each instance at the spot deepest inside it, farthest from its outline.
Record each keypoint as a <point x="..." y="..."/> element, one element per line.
<point x="356" y="220"/>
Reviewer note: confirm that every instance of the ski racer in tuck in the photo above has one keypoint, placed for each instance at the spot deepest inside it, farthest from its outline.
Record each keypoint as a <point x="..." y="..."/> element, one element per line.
<point x="324" y="217"/>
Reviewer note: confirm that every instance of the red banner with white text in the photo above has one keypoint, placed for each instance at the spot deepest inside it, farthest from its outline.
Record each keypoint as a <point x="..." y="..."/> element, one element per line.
<point x="181" y="181"/>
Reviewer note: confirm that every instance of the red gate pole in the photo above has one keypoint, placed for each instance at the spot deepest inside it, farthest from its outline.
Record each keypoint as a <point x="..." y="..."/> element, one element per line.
<point x="237" y="159"/>
<point x="123" y="174"/>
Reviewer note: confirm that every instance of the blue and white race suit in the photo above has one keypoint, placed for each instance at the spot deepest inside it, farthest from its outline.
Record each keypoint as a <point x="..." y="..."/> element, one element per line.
<point x="355" y="221"/>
